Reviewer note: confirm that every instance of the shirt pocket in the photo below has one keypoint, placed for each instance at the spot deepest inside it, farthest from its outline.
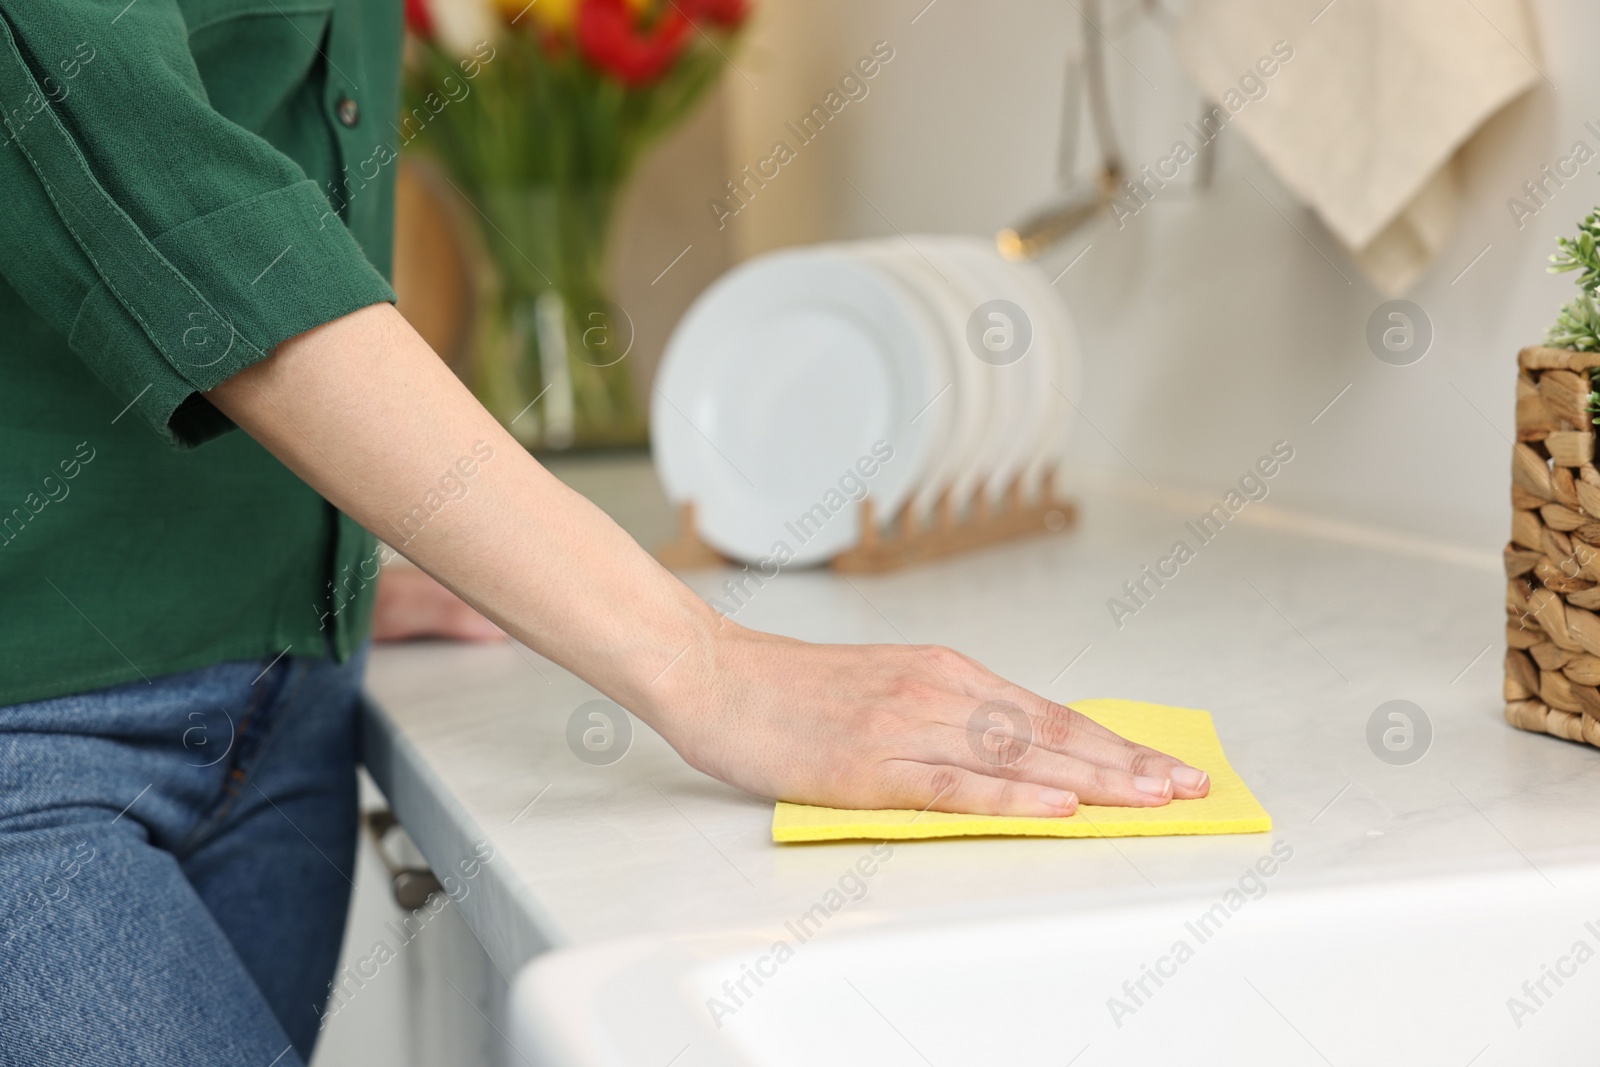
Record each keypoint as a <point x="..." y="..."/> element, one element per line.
<point x="255" y="56"/>
<point x="202" y="15"/>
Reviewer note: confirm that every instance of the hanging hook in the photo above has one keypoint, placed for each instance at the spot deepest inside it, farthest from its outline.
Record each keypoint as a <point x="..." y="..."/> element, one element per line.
<point x="1037" y="233"/>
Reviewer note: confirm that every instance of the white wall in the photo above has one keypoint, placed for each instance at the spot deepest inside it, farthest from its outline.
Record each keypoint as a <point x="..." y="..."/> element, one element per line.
<point x="1212" y="328"/>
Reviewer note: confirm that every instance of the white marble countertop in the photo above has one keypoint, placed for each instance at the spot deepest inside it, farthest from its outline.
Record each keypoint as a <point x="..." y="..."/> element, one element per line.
<point x="1291" y="639"/>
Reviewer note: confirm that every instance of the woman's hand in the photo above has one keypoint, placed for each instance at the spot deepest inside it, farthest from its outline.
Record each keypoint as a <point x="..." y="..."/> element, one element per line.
<point x="411" y="605"/>
<point x="898" y="726"/>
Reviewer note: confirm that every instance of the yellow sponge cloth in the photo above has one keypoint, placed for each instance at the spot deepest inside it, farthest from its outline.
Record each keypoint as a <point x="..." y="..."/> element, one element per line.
<point x="1184" y="733"/>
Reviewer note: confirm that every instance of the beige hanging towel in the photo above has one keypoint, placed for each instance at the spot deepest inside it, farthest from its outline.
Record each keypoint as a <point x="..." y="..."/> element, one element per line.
<point x="1366" y="121"/>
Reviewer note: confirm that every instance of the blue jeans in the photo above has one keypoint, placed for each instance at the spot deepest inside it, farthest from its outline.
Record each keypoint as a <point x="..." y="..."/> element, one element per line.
<point x="176" y="860"/>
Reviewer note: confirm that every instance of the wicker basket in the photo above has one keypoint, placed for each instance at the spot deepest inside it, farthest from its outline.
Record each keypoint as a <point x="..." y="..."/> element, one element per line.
<point x="1553" y="560"/>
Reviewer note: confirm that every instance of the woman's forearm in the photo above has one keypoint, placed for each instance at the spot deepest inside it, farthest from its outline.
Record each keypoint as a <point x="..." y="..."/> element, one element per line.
<point x="364" y="411"/>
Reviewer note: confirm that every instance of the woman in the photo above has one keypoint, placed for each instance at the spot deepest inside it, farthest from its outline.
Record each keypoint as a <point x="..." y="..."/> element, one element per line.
<point x="192" y="245"/>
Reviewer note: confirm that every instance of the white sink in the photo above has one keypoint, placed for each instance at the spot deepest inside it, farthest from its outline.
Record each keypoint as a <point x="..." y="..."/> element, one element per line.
<point x="1408" y="973"/>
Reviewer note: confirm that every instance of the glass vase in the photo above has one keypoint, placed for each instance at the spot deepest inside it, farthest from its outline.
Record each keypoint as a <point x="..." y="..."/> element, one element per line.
<point x="550" y="350"/>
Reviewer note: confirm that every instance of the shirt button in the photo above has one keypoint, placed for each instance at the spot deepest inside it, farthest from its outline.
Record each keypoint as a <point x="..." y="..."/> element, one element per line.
<point x="348" y="111"/>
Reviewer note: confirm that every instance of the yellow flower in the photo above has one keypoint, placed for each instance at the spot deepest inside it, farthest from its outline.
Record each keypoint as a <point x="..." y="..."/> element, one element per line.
<point x="556" y="14"/>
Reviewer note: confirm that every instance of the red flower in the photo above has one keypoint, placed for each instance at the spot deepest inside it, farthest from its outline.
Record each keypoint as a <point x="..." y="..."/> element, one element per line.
<point x="634" y="55"/>
<point x="419" y="20"/>
<point x="724" y="13"/>
<point x="554" y="45"/>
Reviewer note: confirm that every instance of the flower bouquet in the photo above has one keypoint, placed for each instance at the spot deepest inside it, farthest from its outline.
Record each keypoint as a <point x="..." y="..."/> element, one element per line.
<point x="537" y="113"/>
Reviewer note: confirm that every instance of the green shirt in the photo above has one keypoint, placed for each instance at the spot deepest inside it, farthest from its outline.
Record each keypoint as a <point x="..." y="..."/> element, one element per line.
<point x="184" y="185"/>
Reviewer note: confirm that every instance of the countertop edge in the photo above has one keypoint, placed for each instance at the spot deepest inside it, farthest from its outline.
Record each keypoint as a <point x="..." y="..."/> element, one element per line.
<point x="502" y="912"/>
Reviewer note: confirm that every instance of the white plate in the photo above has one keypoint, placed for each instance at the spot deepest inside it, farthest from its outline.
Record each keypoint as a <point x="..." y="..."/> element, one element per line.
<point x="1050" y="312"/>
<point x="787" y="381"/>
<point x="961" y="406"/>
<point x="958" y="290"/>
<point x="1020" y="384"/>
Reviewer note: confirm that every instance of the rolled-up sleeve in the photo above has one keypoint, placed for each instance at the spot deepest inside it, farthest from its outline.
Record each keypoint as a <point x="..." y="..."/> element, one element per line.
<point x="170" y="245"/>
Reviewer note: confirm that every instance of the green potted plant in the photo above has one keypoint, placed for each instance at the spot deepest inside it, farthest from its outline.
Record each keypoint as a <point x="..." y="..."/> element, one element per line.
<point x="1552" y="675"/>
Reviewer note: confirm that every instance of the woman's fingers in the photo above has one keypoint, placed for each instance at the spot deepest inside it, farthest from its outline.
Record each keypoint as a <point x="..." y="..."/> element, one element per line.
<point x="1026" y="741"/>
<point x="1091" y="782"/>
<point x="1061" y="729"/>
<point x="1058" y="728"/>
<point x="926" y="787"/>
<point x="920" y="728"/>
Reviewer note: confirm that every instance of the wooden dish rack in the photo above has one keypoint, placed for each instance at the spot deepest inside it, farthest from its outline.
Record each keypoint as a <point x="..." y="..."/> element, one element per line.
<point x="1552" y="678"/>
<point x="905" y="541"/>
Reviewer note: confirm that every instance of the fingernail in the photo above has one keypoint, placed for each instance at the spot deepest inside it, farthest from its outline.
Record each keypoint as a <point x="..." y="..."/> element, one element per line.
<point x="1055" y="798"/>
<point x="1188" y="777"/>
<point x="1156" y="787"/>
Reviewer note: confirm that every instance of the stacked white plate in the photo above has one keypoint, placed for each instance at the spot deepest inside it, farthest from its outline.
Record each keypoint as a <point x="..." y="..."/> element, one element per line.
<point x="910" y="370"/>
